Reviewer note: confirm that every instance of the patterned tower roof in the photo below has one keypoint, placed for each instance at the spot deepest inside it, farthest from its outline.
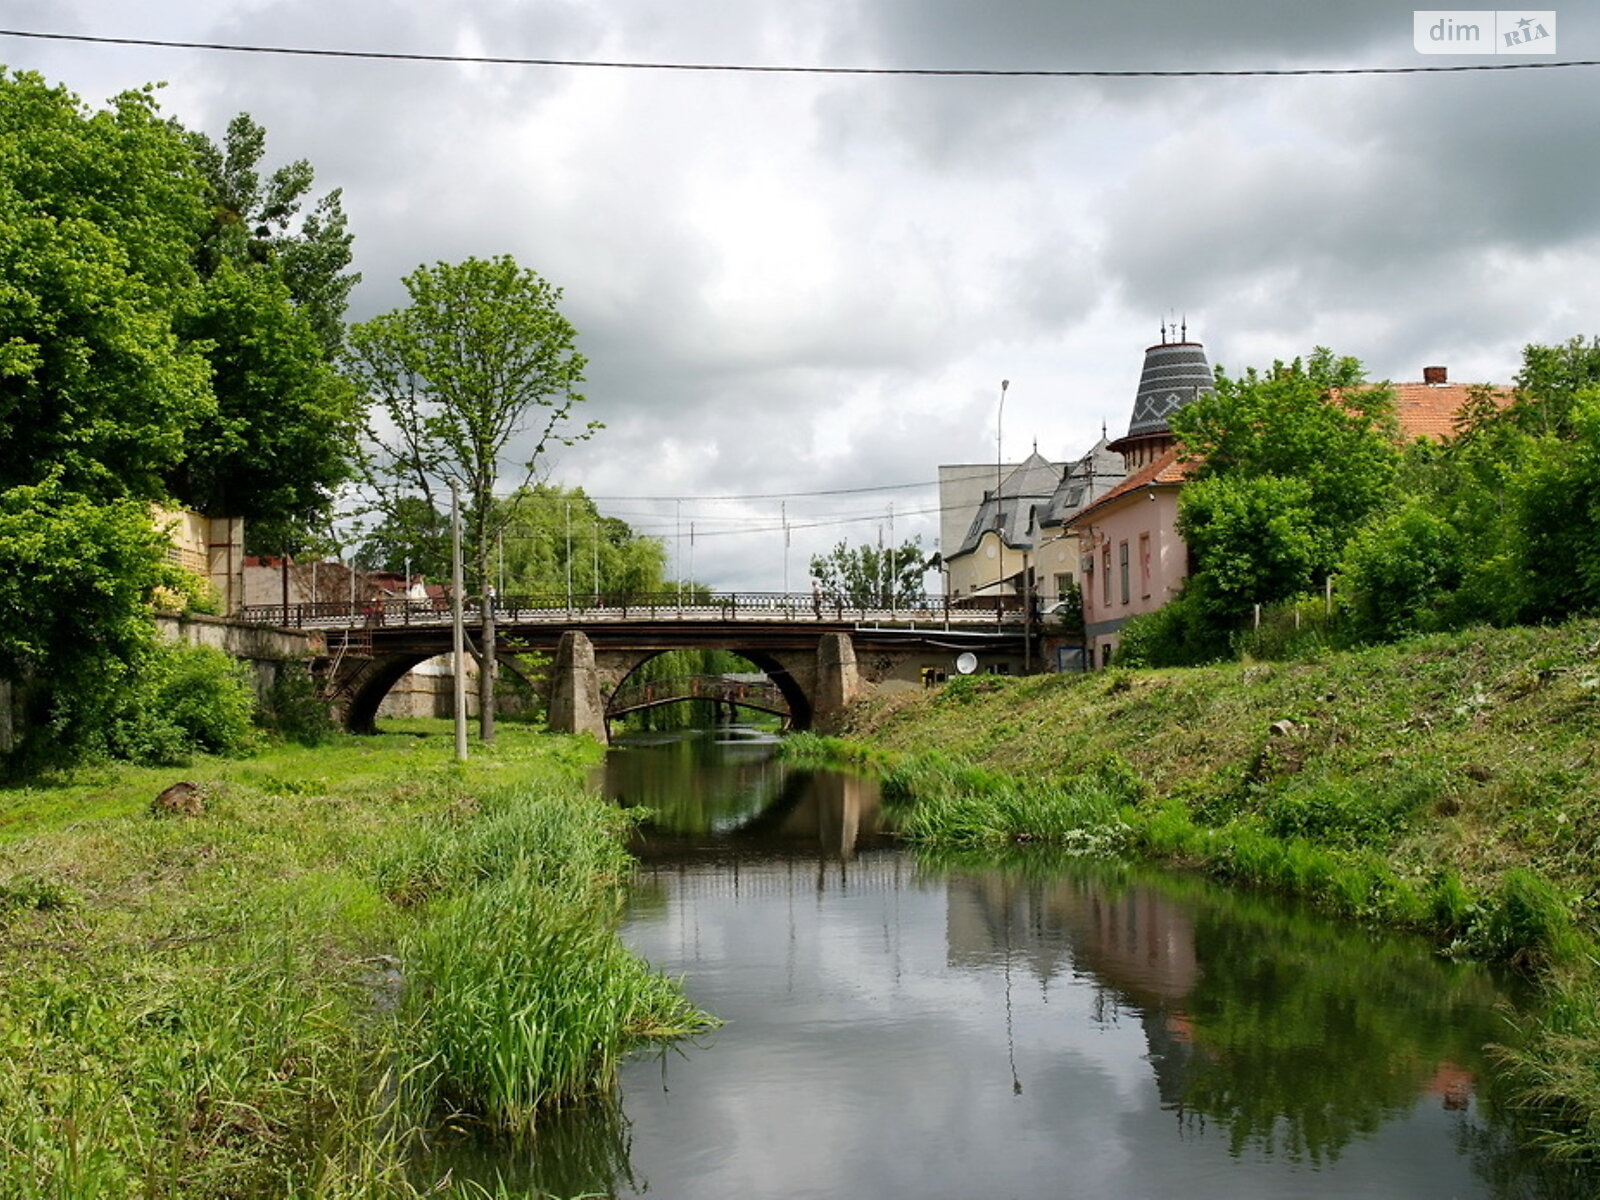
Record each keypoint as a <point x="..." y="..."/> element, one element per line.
<point x="1174" y="374"/>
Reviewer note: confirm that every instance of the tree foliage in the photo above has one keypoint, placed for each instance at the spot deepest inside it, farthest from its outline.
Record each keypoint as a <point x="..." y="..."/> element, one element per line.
<point x="255" y="222"/>
<point x="867" y="575"/>
<point x="99" y="214"/>
<point x="479" y="366"/>
<point x="1312" y="421"/>
<point x="281" y="437"/>
<point x="135" y="368"/>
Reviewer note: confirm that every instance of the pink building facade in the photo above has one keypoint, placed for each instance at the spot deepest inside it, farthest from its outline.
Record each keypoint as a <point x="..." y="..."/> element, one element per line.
<point x="1132" y="560"/>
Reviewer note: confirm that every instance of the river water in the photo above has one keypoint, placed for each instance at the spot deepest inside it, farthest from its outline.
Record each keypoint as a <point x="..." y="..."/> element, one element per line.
<point x="897" y="1026"/>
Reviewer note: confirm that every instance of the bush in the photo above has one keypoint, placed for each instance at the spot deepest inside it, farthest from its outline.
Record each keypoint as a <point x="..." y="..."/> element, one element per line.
<point x="186" y="699"/>
<point x="294" y="710"/>
<point x="1180" y="634"/>
<point x="1399" y="572"/>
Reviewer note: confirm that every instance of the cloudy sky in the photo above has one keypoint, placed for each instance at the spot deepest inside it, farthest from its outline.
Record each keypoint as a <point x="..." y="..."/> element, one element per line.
<point x="796" y="284"/>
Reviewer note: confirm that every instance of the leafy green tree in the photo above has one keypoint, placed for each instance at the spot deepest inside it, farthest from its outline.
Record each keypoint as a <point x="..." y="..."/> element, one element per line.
<point x="1550" y="383"/>
<point x="282" y="437"/>
<point x="117" y="340"/>
<point x="547" y="528"/>
<point x="866" y="575"/>
<point x="1313" y="420"/>
<point x="75" y="628"/>
<point x="479" y="365"/>
<point x="1289" y="463"/>
<point x="99" y="214"/>
<point x="1400" y="573"/>
<point x="258" y="222"/>
<point x="1557" y="509"/>
<point x="270" y="308"/>
<point x="413" y="537"/>
<point x="1255" y="539"/>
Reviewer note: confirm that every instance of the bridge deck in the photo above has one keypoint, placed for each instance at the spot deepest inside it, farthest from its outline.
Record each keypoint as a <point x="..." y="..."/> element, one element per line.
<point x="922" y="612"/>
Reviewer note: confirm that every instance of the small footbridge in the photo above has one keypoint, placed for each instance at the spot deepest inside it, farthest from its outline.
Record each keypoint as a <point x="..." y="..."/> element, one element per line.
<point x="730" y="691"/>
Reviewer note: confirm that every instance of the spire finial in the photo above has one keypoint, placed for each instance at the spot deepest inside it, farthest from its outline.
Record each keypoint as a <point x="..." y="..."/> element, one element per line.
<point x="1185" y="336"/>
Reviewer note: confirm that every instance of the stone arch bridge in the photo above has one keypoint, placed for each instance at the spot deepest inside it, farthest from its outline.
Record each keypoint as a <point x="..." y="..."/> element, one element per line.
<point x="819" y="657"/>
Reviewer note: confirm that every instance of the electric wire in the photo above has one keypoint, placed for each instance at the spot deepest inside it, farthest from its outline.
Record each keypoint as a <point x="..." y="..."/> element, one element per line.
<point x="789" y="69"/>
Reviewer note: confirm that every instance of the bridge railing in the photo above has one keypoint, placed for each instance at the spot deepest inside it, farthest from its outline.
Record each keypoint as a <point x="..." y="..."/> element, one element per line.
<point x="660" y="606"/>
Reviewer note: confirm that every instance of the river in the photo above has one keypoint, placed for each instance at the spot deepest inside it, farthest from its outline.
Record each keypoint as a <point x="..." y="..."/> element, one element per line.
<point x="1045" y="1027"/>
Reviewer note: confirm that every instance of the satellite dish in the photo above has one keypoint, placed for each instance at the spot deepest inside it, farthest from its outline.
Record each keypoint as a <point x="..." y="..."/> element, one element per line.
<point x="967" y="662"/>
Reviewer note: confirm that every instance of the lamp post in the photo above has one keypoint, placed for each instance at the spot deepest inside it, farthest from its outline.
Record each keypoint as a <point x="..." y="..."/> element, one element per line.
<point x="999" y="508"/>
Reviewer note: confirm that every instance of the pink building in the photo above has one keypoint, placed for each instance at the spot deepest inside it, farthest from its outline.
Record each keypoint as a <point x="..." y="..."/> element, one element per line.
<point x="1131" y="559"/>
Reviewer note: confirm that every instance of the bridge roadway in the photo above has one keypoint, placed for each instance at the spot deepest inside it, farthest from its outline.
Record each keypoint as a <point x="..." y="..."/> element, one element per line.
<point x="920" y="612"/>
<point x="808" y="647"/>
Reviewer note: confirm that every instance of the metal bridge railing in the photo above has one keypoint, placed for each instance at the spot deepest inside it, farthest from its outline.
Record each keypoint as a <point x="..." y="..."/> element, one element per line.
<point x="917" y="611"/>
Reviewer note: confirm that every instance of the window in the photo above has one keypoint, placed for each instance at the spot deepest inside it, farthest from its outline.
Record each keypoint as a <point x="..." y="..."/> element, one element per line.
<point x="1144" y="565"/>
<point x="1122" y="563"/>
<point x="1105" y="573"/>
<point x="1063" y="586"/>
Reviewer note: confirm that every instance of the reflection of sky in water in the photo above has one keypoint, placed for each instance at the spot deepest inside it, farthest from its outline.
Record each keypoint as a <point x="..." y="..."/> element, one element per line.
<point x="1079" y="1032"/>
<point x="867" y="1053"/>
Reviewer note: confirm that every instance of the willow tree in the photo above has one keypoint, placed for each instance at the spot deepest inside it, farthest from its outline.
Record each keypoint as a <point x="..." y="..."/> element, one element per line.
<point x="476" y="374"/>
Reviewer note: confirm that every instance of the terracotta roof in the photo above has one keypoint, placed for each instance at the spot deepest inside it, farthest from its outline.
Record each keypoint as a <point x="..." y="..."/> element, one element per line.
<point x="1427" y="410"/>
<point x="1164" y="470"/>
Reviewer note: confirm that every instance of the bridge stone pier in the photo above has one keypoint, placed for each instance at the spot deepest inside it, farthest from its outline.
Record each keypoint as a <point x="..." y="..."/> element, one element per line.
<point x="575" y="702"/>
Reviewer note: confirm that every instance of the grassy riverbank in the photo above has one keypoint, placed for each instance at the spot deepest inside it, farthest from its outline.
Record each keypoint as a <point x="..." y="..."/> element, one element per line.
<point x="277" y="997"/>
<point x="1449" y="785"/>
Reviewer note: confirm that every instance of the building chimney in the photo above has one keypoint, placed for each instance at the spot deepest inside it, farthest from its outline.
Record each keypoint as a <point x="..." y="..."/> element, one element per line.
<point x="1433" y="376"/>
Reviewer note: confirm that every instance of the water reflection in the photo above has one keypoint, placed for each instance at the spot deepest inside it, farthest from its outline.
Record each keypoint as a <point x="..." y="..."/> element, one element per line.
<point x="901" y="1026"/>
<point x="731" y="795"/>
<point x="1292" y="1036"/>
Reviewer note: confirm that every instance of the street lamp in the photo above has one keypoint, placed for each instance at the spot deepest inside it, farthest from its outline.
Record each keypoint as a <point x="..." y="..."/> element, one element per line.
<point x="999" y="510"/>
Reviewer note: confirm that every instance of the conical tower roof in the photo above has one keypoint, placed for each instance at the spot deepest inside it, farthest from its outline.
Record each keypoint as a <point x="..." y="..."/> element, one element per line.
<point x="1174" y="374"/>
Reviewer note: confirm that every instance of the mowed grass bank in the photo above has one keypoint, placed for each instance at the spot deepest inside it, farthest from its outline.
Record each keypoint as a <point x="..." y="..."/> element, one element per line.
<point x="1449" y="785"/>
<point x="278" y="997"/>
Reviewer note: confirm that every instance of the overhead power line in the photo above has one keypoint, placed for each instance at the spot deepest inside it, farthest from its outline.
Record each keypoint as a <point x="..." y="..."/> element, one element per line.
<point x="779" y="69"/>
<point x="853" y="491"/>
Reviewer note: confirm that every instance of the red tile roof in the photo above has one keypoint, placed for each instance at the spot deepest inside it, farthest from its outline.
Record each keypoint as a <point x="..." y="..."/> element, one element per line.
<point x="1429" y="410"/>
<point x="1164" y="470"/>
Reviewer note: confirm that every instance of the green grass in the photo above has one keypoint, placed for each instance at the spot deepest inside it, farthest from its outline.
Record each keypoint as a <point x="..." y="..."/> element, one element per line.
<point x="259" y="1001"/>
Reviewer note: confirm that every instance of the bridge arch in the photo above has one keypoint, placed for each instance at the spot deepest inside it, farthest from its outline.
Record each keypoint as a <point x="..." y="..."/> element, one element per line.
<point x="367" y="691"/>
<point x="793" y="692"/>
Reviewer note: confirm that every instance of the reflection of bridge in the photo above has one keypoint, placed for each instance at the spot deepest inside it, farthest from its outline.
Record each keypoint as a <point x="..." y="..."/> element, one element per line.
<point x="819" y="654"/>
<point x="732" y="690"/>
<point x="893" y="872"/>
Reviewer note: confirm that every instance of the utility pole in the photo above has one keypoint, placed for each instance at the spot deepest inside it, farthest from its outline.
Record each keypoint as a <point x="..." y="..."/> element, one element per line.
<point x="999" y="507"/>
<point x="458" y="630"/>
<point x="894" y="566"/>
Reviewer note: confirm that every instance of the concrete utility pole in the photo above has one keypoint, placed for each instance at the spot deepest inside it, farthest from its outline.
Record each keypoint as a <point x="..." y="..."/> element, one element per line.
<point x="999" y="507"/>
<point x="458" y="630"/>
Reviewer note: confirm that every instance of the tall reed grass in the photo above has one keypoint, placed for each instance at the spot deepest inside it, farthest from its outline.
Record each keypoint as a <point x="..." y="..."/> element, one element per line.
<point x="519" y="994"/>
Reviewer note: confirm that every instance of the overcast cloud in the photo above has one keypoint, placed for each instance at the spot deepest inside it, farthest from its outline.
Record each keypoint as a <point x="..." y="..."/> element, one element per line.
<point x="791" y="284"/>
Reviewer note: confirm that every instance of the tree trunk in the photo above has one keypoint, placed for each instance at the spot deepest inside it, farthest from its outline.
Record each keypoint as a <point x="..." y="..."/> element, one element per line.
<point x="486" y="672"/>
